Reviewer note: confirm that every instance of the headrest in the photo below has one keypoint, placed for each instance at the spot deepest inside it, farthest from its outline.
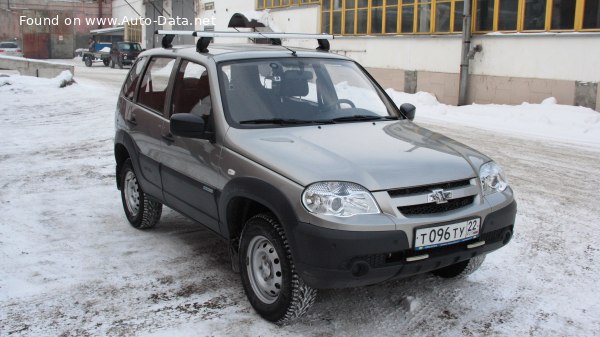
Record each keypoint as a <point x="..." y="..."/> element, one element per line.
<point x="295" y="83"/>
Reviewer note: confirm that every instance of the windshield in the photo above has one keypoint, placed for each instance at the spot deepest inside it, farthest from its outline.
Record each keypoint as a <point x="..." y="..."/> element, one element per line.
<point x="130" y="46"/>
<point x="300" y="91"/>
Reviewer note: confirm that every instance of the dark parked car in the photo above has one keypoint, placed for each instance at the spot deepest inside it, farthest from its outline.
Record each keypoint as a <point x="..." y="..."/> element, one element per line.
<point x="124" y="53"/>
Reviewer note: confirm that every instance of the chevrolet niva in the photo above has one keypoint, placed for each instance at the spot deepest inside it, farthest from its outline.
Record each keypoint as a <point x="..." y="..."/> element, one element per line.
<point x="306" y="169"/>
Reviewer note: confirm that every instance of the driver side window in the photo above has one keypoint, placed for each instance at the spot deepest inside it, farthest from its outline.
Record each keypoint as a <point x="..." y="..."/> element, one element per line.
<point x="191" y="93"/>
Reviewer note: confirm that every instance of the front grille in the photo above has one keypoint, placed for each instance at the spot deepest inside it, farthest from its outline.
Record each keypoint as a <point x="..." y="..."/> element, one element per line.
<point x="427" y="188"/>
<point x="432" y="208"/>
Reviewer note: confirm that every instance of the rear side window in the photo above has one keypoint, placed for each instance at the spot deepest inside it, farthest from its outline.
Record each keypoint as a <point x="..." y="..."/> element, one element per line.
<point x="153" y="89"/>
<point x="8" y="45"/>
<point x="133" y="78"/>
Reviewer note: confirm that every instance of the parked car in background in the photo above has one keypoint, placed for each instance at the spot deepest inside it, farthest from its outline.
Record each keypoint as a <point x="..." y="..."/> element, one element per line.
<point x="10" y="48"/>
<point x="124" y="53"/>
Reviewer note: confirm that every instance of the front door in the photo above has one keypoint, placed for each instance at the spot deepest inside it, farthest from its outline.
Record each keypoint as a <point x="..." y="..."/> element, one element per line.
<point x="190" y="171"/>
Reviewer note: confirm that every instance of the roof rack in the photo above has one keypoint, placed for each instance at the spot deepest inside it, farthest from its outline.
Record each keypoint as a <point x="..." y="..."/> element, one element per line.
<point x="205" y="38"/>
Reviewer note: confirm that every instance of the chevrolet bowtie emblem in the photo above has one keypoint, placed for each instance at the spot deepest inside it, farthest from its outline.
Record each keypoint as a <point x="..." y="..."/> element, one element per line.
<point x="439" y="196"/>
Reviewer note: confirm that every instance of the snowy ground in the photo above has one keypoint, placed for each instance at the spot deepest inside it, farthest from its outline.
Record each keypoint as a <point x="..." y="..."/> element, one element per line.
<point x="70" y="264"/>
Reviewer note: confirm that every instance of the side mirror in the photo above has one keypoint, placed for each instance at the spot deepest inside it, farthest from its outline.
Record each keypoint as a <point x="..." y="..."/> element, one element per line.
<point x="408" y="110"/>
<point x="189" y="126"/>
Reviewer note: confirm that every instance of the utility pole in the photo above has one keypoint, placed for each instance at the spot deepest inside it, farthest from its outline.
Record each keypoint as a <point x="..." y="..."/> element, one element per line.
<point x="464" y="57"/>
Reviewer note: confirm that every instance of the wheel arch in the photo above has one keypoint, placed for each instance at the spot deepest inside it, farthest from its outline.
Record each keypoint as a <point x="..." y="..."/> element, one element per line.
<point x="123" y="149"/>
<point x="243" y="198"/>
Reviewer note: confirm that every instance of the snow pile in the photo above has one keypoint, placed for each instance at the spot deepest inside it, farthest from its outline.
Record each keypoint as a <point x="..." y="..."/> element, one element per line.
<point x="547" y="120"/>
<point x="105" y="50"/>
<point x="29" y="84"/>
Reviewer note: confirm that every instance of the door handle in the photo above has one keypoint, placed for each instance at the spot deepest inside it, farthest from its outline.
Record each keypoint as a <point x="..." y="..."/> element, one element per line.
<point x="168" y="137"/>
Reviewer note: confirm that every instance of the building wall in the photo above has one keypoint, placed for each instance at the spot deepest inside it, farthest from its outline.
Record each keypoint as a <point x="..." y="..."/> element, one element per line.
<point x="58" y="41"/>
<point x="510" y="69"/>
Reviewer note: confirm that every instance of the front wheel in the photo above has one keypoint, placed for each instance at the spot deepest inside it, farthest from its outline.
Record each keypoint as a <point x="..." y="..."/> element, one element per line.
<point x="106" y="62"/>
<point x="88" y="61"/>
<point x="269" y="278"/>
<point x="461" y="269"/>
<point x="141" y="212"/>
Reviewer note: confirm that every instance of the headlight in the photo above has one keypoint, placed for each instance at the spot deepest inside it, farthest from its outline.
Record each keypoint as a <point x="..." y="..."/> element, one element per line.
<point x="340" y="199"/>
<point x="492" y="178"/>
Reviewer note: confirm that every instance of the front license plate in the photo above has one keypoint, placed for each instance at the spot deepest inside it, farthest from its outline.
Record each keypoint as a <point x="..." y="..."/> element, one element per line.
<point x="446" y="235"/>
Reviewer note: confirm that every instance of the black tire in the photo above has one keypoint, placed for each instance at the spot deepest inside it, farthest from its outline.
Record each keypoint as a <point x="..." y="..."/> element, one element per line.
<point x="461" y="269"/>
<point x="88" y="61"/>
<point x="263" y="240"/>
<point x="106" y="62"/>
<point x="141" y="212"/>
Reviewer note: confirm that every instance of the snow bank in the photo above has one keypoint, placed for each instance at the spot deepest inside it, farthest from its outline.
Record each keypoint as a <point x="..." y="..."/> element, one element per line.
<point x="105" y="50"/>
<point x="21" y="84"/>
<point x="547" y="120"/>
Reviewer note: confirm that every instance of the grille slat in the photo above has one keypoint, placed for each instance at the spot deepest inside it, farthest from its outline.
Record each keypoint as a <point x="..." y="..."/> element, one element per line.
<point x="427" y="188"/>
<point x="432" y="208"/>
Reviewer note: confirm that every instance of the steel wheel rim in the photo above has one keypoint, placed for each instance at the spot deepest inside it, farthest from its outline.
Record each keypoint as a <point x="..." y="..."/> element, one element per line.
<point x="132" y="194"/>
<point x="264" y="269"/>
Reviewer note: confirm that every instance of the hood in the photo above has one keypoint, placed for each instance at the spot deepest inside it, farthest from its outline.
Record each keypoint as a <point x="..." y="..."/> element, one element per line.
<point x="378" y="156"/>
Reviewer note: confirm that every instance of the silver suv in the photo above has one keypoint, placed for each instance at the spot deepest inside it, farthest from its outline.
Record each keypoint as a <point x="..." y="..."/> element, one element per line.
<point x="305" y="168"/>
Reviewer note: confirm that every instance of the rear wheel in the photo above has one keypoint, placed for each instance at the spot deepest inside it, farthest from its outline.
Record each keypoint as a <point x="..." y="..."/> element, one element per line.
<point x="461" y="269"/>
<point x="140" y="210"/>
<point x="269" y="278"/>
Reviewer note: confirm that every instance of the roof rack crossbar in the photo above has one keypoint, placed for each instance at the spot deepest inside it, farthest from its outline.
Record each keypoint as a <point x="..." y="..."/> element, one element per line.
<point x="206" y="37"/>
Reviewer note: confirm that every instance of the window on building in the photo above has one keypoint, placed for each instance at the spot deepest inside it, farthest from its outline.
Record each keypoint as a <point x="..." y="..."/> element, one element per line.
<point x="591" y="16"/>
<point x="264" y="4"/>
<point x="508" y="16"/>
<point x="376" y="16"/>
<point x="535" y="15"/>
<point x="391" y="16"/>
<point x="360" y="17"/>
<point x="459" y="7"/>
<point x="563" y="14"/>
<point x="443" y="15"/>
<point x="408" y="16"/>
<point x="484" y="16"/>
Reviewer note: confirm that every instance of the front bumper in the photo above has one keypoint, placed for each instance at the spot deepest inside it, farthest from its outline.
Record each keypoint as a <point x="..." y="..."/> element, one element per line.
<point x="327" y="258"/>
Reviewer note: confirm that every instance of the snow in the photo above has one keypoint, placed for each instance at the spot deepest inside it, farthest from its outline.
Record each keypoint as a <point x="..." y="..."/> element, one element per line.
<point x="548" y="120"/>
<point x="71" y="265"/>
<point x="105" y="50"/>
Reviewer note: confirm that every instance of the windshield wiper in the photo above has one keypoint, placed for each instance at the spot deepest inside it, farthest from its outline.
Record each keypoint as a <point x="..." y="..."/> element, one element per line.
<point x="284" y="121"/>
<point x="360" y="118"/>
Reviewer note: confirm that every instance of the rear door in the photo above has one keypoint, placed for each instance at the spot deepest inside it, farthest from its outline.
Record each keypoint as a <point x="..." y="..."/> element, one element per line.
<point x="190" y="171"/>
<point x="147" y="119"/>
